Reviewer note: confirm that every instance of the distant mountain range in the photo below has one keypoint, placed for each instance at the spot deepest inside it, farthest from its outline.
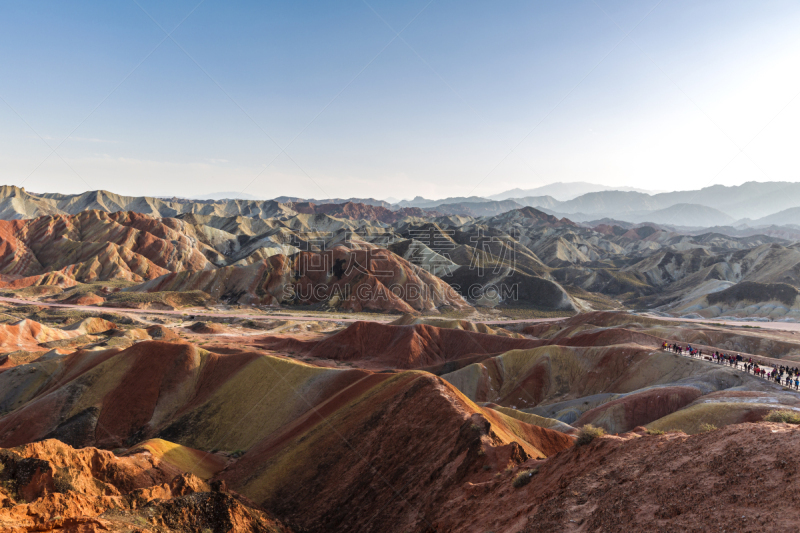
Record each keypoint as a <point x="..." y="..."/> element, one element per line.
<point x="787" y="217"/>
<point x="17" y="203"/>
<point x="564" y="191"/>
<point x="750" y="200"/>
<point x="419" y="201"/>
<point x="752" y="204"/>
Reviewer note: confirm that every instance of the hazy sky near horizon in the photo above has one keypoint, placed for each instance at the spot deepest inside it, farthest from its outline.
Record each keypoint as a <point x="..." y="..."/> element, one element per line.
<point x="324" y="99"/>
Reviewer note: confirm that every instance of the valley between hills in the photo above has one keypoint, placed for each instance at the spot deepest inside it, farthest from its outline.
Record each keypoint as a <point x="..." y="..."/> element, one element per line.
<point x="300" y="366"/>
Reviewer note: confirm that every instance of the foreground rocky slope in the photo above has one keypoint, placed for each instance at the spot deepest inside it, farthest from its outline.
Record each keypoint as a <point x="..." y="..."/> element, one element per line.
<point x="294" y="426"/>
<point x="49" y="486"/>
<point x="371" y="458"/>
<point x="721" y="480"/>
<point x="635" y="481"/>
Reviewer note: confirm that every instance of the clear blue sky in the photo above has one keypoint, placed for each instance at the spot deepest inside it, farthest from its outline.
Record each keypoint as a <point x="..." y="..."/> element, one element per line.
<point x="472" y="98"/>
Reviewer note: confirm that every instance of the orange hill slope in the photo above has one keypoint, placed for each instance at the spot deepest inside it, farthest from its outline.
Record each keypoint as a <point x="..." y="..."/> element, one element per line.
<point x="349" y="449"/>
<point x="119" y="397"/>
<point x="393" y="452"/>
<point x="28" y="334"/>
<point x="286" y="417"/>
<point x="353" y="471"/>
<point x="94" y="245"/>
<point x="376" y="345"/>
<point x="30" y="337"/>
<point x="423" y="345"/>
<point x="202" y="464"/>
<point x="184" y="394"/>
<point x="357" y="280"/>
<point x="171" y="390"/>
<point x="48" y="486"/>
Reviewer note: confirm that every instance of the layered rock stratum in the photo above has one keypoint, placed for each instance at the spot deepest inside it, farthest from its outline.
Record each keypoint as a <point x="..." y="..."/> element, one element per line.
<point x="368" y="257"/>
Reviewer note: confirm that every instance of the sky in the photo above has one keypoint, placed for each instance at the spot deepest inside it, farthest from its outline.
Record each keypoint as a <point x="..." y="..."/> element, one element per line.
<point x="380" y="99"/>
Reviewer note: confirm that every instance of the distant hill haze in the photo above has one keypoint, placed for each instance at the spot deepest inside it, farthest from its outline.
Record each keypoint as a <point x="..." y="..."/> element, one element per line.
<point x="748" y="202"/>
<point x="752" y="200"/>
<point x="752" y="204"/>
<point x="419" y="201"/>
<point x="562" y="191"/>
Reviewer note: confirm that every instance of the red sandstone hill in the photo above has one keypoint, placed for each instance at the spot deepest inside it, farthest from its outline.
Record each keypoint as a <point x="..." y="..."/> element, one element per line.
<point x="288" y="417"/>
<point x="49" y="486"/>
<point x="175" y="391"/>
<point x="171" y="255"/>
<point x="141" y="388"/>
<point x="368" y="280"/>
<point x="397" y="454"/>
<point x="28" y="334"/>
<point x="91" y="246"/>
<point x="722" y="480"/>
<point x="348" y="449"/>
<point x="718" y="480"/>
<point x="375" y="345"/>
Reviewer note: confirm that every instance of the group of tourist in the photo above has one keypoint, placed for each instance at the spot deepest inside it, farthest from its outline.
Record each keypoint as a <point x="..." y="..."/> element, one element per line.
<point x="782" y="375"/>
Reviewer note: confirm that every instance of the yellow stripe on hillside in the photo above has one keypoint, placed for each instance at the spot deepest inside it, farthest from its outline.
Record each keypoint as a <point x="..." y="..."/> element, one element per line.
<point x="203" y="465"/>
